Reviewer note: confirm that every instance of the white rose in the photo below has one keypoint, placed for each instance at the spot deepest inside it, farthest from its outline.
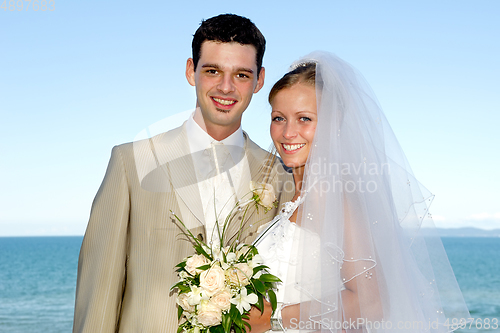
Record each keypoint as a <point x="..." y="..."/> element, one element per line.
<point x="209" y="314"/>
<point x="182" y="300"/>
<point x="222" y="300"/>
<point x="240" y="274"/>
<point x="265" y="193"/>
<point x="212" y="280"/>
<point x="195" y="261"/>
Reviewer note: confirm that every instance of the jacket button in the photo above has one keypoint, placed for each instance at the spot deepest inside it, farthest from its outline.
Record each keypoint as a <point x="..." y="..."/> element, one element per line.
<point x="200" y="237"/>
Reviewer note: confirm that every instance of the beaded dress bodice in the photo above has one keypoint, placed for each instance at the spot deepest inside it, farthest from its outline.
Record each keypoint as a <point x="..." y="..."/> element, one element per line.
<point x="276" y="246"/>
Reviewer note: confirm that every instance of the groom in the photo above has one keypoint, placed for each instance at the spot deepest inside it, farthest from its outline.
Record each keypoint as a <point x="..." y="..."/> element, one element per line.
<point x="131" y="245"/>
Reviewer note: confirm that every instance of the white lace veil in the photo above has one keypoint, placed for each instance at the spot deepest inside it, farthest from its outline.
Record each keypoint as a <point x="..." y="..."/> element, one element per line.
<point x="370" y="260"/>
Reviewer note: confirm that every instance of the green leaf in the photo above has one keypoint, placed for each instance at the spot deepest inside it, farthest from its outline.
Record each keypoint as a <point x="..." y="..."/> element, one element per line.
<point x="217" y="329"/>
<point x="180" y="283"/>
<point x="233" y="312"/>
<point x="181" y="327"/>
<point x="223" y="255"/>
<point x="249" y="326"/>
<point x="180" y="310"/>
<point x="270" y="285"/>
<point x="204" y="267"/>
<point x="236" y="316"/>
<point x="269" y="278"/>
<point x="272" y="299"/>
<point x="259" y="286"/>
<point x="226" y="322"/>
<point x="258" y="268"/>
<point x="184" y="288"/>
<point x="200" y="250"/>
<point x="260" y="304"/>
<point x="239" y="322"/>
<point x="181" y="264"/>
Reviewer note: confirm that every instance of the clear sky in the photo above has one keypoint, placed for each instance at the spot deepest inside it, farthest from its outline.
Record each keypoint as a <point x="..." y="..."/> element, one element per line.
<point x="78" y="80"/>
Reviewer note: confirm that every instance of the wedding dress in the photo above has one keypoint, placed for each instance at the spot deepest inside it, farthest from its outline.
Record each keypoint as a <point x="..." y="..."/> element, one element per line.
<point x="275" y="245"/>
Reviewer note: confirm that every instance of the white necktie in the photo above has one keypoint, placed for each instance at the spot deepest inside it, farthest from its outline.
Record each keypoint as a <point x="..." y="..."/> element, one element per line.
<point x="221" y="189"/>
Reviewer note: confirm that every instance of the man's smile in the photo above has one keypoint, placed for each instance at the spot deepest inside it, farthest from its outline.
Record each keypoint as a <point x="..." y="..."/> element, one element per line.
<point x="225" y="102"/>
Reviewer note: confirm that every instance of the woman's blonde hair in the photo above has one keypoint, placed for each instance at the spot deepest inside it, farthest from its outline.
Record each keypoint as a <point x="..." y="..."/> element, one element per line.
<point x="304" y="73"/>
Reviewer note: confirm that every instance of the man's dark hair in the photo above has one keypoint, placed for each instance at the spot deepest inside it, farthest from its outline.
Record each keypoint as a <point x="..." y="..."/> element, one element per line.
<point x="227" y="28"/>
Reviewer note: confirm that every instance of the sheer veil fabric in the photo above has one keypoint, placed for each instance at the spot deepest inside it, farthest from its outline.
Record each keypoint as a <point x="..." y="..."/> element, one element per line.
<point x="370" y="260"/>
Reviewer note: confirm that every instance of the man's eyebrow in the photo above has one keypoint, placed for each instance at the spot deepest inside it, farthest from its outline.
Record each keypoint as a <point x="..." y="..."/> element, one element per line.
<point x="241" y="69"/>
<point x="211" y="66"/>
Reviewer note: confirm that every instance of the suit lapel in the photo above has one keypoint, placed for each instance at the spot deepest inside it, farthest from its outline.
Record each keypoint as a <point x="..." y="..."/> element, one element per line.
<point x="173" y="153"/>
<point x="252" y="170"/>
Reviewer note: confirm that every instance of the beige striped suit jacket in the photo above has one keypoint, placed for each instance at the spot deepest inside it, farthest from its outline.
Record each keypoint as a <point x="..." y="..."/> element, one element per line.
<point x="131" y="245"/>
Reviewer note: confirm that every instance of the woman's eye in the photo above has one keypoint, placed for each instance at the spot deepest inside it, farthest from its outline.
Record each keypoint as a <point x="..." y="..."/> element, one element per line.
<point x="305" y="118"/>
<point x="278" y="118"/>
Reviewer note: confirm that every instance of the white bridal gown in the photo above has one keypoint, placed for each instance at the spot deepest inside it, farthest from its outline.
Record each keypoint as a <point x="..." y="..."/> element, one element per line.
<point x="275" y="245"/>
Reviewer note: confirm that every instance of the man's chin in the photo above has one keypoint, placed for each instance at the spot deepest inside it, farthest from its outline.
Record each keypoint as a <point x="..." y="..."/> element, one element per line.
<point x="223" y="111"/>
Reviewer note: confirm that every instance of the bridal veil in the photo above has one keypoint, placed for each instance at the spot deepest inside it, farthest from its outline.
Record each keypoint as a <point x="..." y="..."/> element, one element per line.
<point x="371" y="260"/>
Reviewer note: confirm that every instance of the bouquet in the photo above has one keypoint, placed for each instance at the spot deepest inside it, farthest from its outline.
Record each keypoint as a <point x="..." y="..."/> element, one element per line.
<point x="219" y="284"/>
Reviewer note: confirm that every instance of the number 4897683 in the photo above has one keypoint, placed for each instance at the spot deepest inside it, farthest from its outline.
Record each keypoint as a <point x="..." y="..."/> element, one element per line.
<point x="34" y="5"/>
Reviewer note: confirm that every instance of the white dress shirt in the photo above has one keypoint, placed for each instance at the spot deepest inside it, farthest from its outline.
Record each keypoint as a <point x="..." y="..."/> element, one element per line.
<point x="219" y="166"/>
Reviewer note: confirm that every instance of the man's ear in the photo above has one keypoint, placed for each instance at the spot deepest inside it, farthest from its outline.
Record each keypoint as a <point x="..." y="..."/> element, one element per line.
<point x="190" y="72"/>
<point x="260" y="80"/>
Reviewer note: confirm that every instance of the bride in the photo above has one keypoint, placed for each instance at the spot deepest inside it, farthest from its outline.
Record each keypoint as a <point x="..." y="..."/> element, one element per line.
<point x="350" y="247"/>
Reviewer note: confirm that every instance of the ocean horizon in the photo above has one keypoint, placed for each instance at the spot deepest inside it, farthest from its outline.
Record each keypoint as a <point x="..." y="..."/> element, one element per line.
<point x="38" y="281"/>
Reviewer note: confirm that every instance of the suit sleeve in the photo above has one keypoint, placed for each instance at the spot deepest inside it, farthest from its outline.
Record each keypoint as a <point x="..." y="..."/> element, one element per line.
<point x="102" y="261"/>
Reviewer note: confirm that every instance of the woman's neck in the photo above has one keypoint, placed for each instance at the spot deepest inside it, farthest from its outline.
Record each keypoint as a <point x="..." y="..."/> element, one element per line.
<point x="298" y="176"/>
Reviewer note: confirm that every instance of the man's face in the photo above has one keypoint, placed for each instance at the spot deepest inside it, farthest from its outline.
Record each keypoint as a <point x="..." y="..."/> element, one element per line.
<point x="225" y="80"/>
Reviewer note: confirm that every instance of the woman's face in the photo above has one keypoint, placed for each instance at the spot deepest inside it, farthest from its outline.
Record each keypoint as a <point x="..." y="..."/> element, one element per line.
<point x="294" y="117"/>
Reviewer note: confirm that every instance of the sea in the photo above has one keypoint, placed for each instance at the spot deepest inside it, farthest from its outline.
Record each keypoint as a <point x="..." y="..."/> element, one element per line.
<point x="38" y="281"/>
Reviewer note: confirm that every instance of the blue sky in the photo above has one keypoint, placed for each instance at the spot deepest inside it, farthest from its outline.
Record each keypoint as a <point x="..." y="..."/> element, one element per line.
<point x="78" y="80"/>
